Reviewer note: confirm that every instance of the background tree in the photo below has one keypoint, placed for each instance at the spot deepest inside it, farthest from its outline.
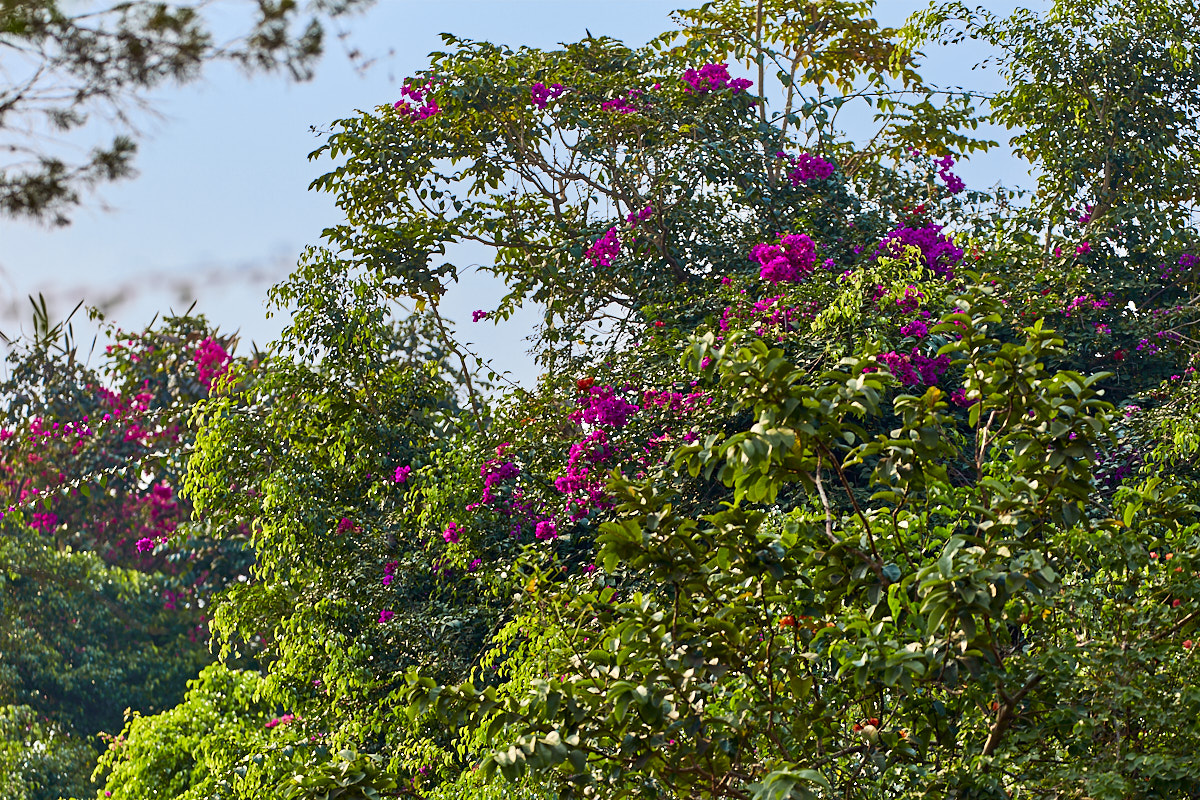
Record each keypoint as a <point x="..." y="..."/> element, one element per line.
<point x="98" y="614"/>
<point x="67" y="66"/>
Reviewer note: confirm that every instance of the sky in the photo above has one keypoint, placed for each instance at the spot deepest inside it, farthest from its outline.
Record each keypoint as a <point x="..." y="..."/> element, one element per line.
<point x="221" y="207"/>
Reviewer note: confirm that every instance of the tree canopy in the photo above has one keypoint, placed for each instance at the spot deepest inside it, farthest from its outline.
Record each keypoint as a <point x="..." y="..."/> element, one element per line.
<point x="842" y="478"/>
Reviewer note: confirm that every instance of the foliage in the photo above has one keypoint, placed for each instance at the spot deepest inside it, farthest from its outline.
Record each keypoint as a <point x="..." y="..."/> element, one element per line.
<point x="841" y="480"/>
<point x="39" y="759"/>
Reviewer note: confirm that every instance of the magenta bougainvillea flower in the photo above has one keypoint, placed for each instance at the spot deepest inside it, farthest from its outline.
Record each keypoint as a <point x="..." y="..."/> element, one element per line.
<point x="540" y="94"/>
<point x="605" y="249"/>
<point x="211" y="361"/>
<point x="789" y="261"/>
<point x="712" y="77"/>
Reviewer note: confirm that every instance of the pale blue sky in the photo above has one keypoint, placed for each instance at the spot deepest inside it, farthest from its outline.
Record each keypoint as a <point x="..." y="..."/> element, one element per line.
<point x="221" y="208"/>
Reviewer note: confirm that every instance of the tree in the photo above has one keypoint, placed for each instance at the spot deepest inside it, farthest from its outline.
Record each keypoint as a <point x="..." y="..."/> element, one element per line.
<point x="99" y="614"/>
<point x="66" y="68"/>
<point x="824" y="491"/>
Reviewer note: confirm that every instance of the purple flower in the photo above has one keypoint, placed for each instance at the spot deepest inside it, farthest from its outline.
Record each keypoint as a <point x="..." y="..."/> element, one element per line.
<point x="915" y="368"/>
<point x="451" y="533"/>
<point x="916" y="329"/>
<point x="953" y="182"/>
<point x="402" y="474"/>
<point x="475" y="564"/>
<point x="545" y="530"/>
<point x="787" y="262"/>
<point x="385" y="615"/>
<point x="806" y="167"/>
<point x="478" y="314"/>
<point x="605" y="249"/>
<point x="145" y="545"/>
<point x="211" y="361"/>
<point x="540" y="95"/>
<point x="421" y="94"/>
<point x="46" y="522"/>
<point x="937" y="251"/>
<point x="601" y="406"/>
<point x="621" y="105"/>
<point x="712" y="77"/>
<point x="636" y="217"/>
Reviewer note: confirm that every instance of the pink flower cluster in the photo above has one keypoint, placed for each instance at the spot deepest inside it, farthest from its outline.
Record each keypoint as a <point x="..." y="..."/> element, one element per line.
<point x="159" y="504"/>
<point x="401" y="474"/>
<point x="636" y="217"/>
<point x="790" y="261"/>
<point x="602" y="406"/>
<point x="711" y="77"/>
<point x="605" y="249"/>
<point x="1086" y="301"/>
<point x="937" y="251"/>
<point x="623" y="104"/>
<point x="44" y="522"/>
<point x="284" y="720"/>
<point x="389" y="572"/>
<point x="952" y="181"/>
<point x="211" y="361"/>
<point x="545" y="530"/>
<point x="493" y="473"/>
<point x="676" y="402"/>
<point x="451" y="534"/>
<point x="766" y="316"/>
<point x="911" y="300"/>
<point x="584" y="487"/>
<point x="915" y="368"/>
<point x="806" y="167"/>
<point x="540" y="95"/>
<point x="422" y="96"/>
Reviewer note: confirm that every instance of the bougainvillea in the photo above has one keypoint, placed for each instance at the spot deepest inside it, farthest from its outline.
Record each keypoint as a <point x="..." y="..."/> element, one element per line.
<point x="785" y="515"/>
<point x="787" y="262"/>
<point x="713" y="77"/>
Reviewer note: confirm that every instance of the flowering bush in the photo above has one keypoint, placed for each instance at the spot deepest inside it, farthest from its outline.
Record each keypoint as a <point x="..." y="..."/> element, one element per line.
<point x="787" y="514"/>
